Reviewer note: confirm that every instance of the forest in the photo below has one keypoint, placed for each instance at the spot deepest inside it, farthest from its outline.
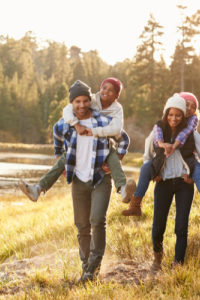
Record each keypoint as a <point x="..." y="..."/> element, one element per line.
<point x="34" y="79"/>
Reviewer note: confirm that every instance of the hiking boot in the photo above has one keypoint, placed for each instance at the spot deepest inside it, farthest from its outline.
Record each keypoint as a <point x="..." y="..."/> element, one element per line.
<point x="134" y="207"/>
<point x="128" y="191"/>
<point x="29" y="190"/>
<point x="84" y="268"/>
<point x="156" y="266"/>
<point x="91" y="273"/>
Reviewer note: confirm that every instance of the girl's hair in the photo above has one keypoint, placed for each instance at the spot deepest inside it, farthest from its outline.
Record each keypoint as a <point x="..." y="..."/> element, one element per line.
<point x="167" y="128"/>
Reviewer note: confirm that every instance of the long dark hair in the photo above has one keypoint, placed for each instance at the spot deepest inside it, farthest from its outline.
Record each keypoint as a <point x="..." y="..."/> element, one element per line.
<point x="167" y="129"/>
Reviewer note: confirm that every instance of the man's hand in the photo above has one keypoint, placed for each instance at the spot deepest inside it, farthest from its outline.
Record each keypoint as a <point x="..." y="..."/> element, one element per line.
<point x="105" y="168"/>
<point x="120" y="156"/>
<point x="187" y="179"/>
<point x="158" y="178"/>
<point x="64" y="173"/>
<point x="88" y="132"/>
<point x="80" y="129"/>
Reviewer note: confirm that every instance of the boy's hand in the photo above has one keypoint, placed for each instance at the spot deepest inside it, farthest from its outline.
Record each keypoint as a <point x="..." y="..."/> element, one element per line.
<point x="80" y="129"/>
<point x="88" y="132"/>
<point x="105" y="168"/>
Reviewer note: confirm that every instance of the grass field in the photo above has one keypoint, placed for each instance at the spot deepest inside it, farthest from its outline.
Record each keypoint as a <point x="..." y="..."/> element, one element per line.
<point x="30" y="231"/>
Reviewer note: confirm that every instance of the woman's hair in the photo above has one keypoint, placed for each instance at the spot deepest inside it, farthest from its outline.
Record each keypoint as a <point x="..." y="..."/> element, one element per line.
<point x="167" y="128"/>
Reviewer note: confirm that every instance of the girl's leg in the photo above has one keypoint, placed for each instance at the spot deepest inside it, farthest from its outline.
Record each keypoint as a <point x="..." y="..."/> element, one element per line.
<point x="196" y="175"/>
<point x="144" y="180"/>
<point x="143" y="184"/>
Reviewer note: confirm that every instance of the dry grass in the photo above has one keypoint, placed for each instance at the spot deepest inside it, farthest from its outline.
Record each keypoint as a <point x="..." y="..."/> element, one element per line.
<point x="128" y="256"/>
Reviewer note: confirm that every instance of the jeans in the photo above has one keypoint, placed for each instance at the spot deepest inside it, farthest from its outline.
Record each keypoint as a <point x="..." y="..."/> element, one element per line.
<point x="90" y="208"/>
<point x="163" y="196"/>
<point x="196" y="175"/>
<point x="144" y="180"/>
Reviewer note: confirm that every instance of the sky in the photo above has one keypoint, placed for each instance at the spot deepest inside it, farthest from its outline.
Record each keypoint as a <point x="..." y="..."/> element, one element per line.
<point x="112" y="27"/>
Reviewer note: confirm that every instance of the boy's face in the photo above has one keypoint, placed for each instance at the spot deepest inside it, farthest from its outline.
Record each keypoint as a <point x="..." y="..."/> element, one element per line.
<point x="190" y="108"/>
<point x="81" y="107"/>
<point x="108" y="94"/>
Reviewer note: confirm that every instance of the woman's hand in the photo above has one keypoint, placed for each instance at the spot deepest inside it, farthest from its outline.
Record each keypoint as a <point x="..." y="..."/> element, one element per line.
<point x="105" y="168"/>
<point x="158" y="178"/>
<point x="188" y="180"/>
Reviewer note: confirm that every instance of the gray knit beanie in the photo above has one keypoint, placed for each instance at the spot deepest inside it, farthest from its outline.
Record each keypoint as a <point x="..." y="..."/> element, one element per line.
<point x="177" y="102"/>
<point x="79" y="88"/>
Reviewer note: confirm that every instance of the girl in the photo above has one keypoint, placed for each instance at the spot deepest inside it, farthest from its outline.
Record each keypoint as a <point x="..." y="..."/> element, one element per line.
<point x="145" y="175"/>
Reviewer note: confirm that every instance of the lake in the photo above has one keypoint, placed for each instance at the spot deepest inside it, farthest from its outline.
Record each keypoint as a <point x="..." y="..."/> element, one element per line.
<point x="30" y="167"/>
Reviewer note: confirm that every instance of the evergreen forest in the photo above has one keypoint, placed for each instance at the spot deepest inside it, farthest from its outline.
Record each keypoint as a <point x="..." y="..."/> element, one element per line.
<point x="34" y="79"/>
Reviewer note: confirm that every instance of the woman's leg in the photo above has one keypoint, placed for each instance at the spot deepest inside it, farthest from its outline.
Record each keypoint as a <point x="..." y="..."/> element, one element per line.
<point x="163" y="195"/>
<point x="184" y="197"/>
<point x="196" y="175"/>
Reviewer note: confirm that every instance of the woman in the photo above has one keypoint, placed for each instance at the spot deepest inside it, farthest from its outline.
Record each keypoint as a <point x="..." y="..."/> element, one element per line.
<point x="171" y="174"/>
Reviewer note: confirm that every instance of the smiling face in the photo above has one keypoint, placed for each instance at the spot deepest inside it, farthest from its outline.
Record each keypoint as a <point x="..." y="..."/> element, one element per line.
<point x="81" y="107"/>
<point x="108" y="94"/>
<point x="190" y="108"/>
<point x="174" y="118"/>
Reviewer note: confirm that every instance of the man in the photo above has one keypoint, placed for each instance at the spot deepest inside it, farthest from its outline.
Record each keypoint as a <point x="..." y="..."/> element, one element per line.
<point x="106" y="103"/>
<point x="91" y="187"/>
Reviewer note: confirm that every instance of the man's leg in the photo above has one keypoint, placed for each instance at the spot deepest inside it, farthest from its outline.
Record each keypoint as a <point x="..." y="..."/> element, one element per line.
<point x="81" y="195"/>
<point x="100" y="202"/>
<point x="143" y="184"/>
<point x="46" y="182"/>
<point x="117" y="172"/>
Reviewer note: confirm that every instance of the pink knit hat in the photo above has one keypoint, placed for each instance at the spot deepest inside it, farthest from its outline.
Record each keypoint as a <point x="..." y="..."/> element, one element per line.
<point x="115" y="82"/>
<point x="189" y="96"/>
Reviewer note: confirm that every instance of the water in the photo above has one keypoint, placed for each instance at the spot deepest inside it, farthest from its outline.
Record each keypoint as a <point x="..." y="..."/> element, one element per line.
<point x="30" y="167"/>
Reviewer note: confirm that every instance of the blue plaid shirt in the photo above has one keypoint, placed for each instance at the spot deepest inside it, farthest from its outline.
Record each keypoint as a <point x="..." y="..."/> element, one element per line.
<point x="65" y="140"/>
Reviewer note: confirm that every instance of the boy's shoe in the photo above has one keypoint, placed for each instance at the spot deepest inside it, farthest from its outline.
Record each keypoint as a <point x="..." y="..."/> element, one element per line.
<point x="134" y="207"/>
<point x="29" y="190"/>
<point x="129" y="190"/>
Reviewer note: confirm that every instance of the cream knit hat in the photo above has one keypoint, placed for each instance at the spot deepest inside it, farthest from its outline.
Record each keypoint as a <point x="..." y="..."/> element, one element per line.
<point x="177" y="102"/>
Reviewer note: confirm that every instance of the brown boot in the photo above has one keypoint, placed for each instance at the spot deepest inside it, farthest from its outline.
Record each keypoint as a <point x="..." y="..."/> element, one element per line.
<point x="134" y="207"/>
<point x="156" y="266"/>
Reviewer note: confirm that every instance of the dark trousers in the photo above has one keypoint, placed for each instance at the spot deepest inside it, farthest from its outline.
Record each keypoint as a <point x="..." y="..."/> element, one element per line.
<point x="163" y="196"/>
<point x="90" y="209"/>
